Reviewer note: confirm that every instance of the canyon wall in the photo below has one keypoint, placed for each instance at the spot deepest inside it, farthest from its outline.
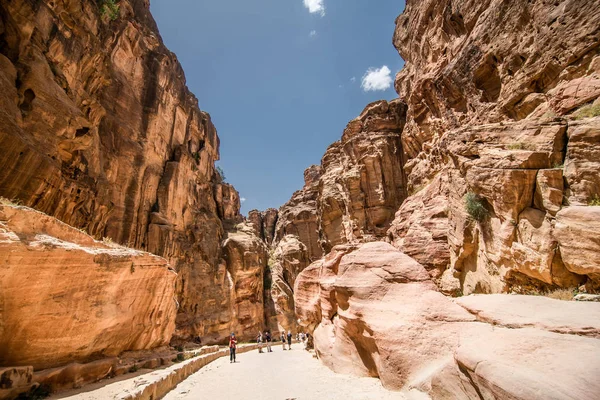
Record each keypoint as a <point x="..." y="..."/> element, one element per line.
<point x="98" y="129"/>
<point x="350" y="198"/>
<point x="65" y="297"/>
<point x="498" y="139"/>
<point x="374" y="311"/>
<point x="497" y="95"/>
<point x="497" y="192"/>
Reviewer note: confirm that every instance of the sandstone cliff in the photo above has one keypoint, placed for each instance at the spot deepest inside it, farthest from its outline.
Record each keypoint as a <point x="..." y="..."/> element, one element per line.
<point x="374" y="311"/>
<point x="98" y="129"/>
<point x="65" y="297"/>
<point x="351" y="197"/>
<point x="493" y="91"/>
<point x="497" y="192"/>
<point x="498" y="140"/>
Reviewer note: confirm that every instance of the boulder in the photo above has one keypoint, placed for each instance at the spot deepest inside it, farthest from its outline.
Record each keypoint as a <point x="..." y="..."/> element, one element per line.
<point x="576" y="231"/>
<point x="98" y="299"/>
<point x="381" y="315"/>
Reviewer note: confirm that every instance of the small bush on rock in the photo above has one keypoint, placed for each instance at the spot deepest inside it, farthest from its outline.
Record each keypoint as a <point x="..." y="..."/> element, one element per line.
<point x="595" y="201"/>
<point x="561" y="294"/>
<point x="588" y="111"/>
<point x="110" y="8"/>
<point x="475" y="207"/>
<point x="6" y="202"/>
<point x="221" y="174"/>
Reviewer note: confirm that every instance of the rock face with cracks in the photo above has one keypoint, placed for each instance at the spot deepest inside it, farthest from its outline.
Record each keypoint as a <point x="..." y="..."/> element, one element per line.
<point x="374" y="311"/>
<point x="98" y="129"/>
<point x="493" y="110"/>
<point x="290" y="257"/>
<point x="127" y="301"/>
<point x="499" y="142"/>
<point x="245" y="260"/>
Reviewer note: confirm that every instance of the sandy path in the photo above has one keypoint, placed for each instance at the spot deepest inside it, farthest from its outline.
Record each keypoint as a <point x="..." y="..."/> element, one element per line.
<point x="279" y="375"/>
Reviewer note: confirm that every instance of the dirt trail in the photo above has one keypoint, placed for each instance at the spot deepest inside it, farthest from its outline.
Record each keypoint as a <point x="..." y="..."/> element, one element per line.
<point x="280" y="375"/>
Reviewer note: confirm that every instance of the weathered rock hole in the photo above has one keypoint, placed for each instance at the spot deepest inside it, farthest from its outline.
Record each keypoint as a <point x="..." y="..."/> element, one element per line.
<point x="487" y="79"/>
<point x="28" y="97"/>
<point x="82" y="132"/>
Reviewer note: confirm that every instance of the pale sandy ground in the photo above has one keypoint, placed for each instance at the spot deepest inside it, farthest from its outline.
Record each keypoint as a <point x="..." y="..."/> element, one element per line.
<point x="279" y="375"/>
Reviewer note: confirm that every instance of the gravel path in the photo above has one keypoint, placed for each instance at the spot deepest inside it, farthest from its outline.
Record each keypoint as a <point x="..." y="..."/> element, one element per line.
<point x="280" y="375"/>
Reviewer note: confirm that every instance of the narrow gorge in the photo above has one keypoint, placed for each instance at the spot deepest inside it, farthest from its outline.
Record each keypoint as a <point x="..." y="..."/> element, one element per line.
<point x="423" y="250"/>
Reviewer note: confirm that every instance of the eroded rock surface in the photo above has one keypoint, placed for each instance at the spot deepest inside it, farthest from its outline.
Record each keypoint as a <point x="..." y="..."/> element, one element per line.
<point x="49" y="318"/>
<point x="245" y="259"/>
<point x="299" y="216"/>
<point x="374" y="311"/>
<point x="473" y="62"/>
<point x="290" y="257"/>
<point x="98" y="129"/>
<point x="492" y="117"/>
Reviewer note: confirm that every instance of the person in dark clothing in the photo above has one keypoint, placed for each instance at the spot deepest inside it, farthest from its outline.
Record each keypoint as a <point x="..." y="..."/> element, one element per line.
<point x="232" y="347"/>
<point x="268" y="340"/>
<point x="289" y="338"/>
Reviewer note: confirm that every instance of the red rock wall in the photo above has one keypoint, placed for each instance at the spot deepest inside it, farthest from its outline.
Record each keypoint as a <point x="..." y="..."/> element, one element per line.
<point x="494" y="91"/>
<point x="65" y="297"/>
<point x="98" y="129"/>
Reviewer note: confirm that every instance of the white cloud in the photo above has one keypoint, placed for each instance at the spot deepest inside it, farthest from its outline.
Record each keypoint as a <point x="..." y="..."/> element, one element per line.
<point x="243" y="199"/>
<point x="353" y="79"/>
<point x="312" y="33"/>
<point x="377" y="79"/>
<point x="315" y="6"/>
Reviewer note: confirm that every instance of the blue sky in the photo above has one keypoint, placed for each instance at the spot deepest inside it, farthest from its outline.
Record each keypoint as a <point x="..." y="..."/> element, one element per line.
<point x="281" y="79"/>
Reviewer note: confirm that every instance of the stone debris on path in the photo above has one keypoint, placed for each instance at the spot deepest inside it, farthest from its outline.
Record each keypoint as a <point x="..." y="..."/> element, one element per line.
<point x="279" y="375"/>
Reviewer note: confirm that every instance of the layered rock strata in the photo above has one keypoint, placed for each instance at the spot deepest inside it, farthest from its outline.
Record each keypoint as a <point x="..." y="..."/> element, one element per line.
<point x="497" y="120"/>
<point x="499" y="141"/>
<point x="299" y="216"/>
<point x="245" y="260"/>
<point x="469" y="63"/>
<point x="374" y="311"/>
<point x="487" y="120"/>
<point x="290" y="257"/>
<point x="98" y="129"/>
<point x="49" y="318"/>
<point x="350" y="198"/>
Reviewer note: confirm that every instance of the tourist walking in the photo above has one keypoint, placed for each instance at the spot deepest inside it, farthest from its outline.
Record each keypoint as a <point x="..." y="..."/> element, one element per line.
<point x="259" y="340"/>
<point x="283" y="339"/>
<point x="289" y="338"/>
<point x="232" y="347"/>
<point x="268" y="340"/>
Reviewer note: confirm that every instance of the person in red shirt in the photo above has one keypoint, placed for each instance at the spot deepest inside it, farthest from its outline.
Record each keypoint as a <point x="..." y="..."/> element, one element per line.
<point x="232" y="347"/>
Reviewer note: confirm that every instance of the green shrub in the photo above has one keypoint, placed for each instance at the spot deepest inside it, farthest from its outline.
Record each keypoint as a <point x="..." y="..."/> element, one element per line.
<point x="180" y="357"/>
<point x="475" y="207"/>
<point x="588" y="111"/>
<point x="561" y="294"/>
<point x="221" y="174"/>
<point x="595" y="201"/>
<point x="516" y="146"/>
<point x="110" y="8"/>
<point x="134" y="368"/>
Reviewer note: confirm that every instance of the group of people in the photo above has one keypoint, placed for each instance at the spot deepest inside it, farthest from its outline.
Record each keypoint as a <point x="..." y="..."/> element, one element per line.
<point x="265" y="337"/>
